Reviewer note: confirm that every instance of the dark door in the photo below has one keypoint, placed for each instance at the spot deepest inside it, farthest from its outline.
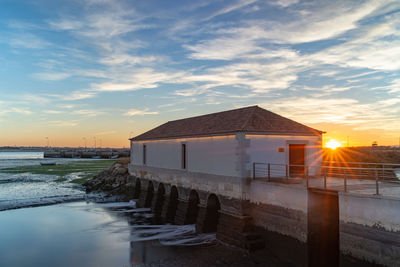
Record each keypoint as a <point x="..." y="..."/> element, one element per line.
<point x="296" y="160"/>
<point x="323" y="228"/>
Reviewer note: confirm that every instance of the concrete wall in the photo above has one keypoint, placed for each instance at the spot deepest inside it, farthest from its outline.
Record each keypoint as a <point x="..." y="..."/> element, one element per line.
<point x="212" y="155"/>
<point x="372" y="211"/>
<point x="370" y="228"/>
<point x="279" y="208"/>
<point x="265" y="149"/>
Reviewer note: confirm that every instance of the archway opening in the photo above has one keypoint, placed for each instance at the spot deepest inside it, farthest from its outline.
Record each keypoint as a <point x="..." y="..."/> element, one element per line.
<point x="193" y="208"/>
<point x="136" y="194"/>
<point x="172" y="205"/>
<point x="160" y="200"/>
<point x="212" y="214"/>
<point x="149" y="195"/>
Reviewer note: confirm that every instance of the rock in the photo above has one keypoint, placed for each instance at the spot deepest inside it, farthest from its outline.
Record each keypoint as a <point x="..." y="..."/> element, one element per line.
<point x="113" y="180"/>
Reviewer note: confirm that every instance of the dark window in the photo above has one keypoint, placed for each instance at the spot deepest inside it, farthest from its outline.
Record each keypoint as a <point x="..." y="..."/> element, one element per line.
<point x="183" y="156"/>
<point x="144" y="154"/>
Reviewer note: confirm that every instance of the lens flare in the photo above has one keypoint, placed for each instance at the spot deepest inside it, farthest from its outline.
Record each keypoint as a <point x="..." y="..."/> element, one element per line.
<point x="333" y="144"/>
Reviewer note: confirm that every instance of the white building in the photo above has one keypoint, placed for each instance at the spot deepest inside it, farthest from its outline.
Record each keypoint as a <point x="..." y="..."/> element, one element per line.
<point x="225" y="145"/>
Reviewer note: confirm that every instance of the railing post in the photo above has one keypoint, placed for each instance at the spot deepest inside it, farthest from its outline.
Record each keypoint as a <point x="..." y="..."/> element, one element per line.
<point x="269" y="172"/>
<point x="324" y="170"/>
<point x="254" y="170"/>
<point x="286" y="172"/>
<point x="376" y="182"/>
<point x="345" y="181"/>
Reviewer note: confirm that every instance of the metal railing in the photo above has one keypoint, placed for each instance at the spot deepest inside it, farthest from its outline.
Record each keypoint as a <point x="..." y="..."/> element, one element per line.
<point x="340" y="177"/>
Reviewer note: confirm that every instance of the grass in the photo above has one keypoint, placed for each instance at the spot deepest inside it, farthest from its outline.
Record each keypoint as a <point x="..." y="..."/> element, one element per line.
<point x="85" y="168"/>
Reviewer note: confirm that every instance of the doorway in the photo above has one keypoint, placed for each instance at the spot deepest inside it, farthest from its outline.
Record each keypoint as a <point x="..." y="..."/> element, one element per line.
<point x="296" y="160"/>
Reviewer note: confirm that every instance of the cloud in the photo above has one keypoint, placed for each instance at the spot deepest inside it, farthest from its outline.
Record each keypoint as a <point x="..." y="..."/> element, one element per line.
<point x="339" y="111"/>
<point x="106" y="133"/>
<point x="137" y="112"/>
<point x="284" y="3"/>
<point x="6" y="109"/>
<point x="233" y="7"/>
<point x="77" y="95"/>
<point x="60" y="123"/>
<point x="53" y="111"/>
<point x="28" y="40"/>
<point x="87" y="112"/>
<point x="51" y="76"/>
<point x="21" y="111"/>
<point x="136" y="79"/>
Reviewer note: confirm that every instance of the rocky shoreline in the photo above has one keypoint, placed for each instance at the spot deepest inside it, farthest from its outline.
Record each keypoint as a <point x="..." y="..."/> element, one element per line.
<point x="113" y="181"/>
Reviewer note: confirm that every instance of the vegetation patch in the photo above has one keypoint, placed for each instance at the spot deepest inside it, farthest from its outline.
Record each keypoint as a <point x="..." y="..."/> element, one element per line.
<point x="81" y="180"/>
<point x="85" y="168"/>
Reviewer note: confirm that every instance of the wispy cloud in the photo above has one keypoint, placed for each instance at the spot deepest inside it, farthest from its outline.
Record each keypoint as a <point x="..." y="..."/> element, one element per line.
<point x="87" y="112"/>
<point x="138" y="112"/>
<point x="230" y="8"/>
<point x="51" y="76"/>
<point x="28" y="40"/>
<point x="61" y="123"/>
<point x="6" y="109"/>
<point x="105" y="133"/>
<point x="78" y="95"/>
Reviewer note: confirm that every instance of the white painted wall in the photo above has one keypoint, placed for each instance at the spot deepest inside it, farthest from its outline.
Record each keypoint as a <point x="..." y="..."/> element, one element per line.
<point x="211" y="155"/>
<point x="265" y="149"/>
<point x="282" y="195"/>
<point x="220" y="154"/>
<point x="372" y="211"/>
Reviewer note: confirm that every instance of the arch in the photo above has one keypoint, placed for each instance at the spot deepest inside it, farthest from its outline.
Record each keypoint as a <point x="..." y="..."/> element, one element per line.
<point x="136" y="194"/>
<point x="160" y="200"/>
<point x="193" y="208"/>
<point x="172" y="205"/>
<point x="212" y="214"/>
<point x="149" y="195"/>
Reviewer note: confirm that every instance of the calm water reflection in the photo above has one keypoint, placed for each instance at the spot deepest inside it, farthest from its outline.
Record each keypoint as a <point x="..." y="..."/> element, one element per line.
<point x="72" y="234"/>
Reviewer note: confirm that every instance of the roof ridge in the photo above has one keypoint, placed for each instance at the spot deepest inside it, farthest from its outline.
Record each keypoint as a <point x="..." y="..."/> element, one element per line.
<point x="250" y="115"/>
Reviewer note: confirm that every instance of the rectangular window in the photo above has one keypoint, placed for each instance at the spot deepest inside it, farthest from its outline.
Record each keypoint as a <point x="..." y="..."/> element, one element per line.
<point x="144" y="154"/>
<point x="184" y="156"/>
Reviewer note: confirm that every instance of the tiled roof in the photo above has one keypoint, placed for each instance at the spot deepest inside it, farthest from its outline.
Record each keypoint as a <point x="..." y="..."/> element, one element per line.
<point x="249" y="119"/>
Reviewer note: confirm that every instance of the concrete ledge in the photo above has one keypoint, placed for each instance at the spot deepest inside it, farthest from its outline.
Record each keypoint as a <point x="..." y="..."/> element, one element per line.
<point x="370" y="244"/>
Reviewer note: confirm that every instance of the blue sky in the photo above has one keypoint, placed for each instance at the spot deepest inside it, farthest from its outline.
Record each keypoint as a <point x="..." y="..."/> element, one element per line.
<point x="106" y="70"/>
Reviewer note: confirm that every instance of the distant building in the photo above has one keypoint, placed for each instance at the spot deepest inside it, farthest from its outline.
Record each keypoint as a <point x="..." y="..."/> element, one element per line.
<point x="225" y="144"/>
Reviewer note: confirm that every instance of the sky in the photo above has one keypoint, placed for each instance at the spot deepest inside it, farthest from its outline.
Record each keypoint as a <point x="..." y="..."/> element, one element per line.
<point x="76" y="73"/>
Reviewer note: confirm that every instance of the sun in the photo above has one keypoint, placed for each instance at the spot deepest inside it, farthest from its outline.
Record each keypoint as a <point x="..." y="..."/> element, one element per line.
<point x="333" y="144"/>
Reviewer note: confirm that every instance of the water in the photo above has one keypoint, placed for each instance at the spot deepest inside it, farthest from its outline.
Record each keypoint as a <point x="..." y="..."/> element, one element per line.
<point x="27" y="189"/>
<point x="79" y="233"/>
<point x="88" y="234"/>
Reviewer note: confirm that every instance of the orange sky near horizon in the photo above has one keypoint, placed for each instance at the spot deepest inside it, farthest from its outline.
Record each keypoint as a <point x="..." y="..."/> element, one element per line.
<point x="116" y="133"/>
